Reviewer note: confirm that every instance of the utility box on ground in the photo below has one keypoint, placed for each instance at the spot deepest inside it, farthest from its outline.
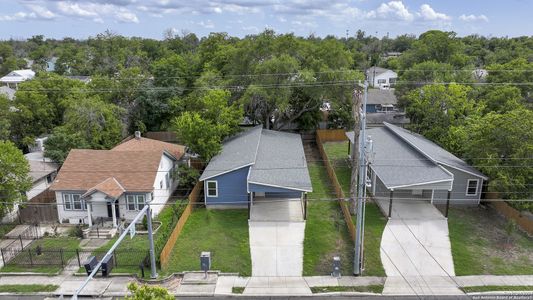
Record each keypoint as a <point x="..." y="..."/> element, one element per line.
<point x="90" y="264"/>
<point x="336" y="267"/>
<point x="205" y="261"/>
<point x="107" y="265"/>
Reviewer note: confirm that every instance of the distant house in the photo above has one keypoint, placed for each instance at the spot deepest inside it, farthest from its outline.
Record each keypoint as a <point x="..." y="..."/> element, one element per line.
<point x="381" y="78"/>
<point x="405" y="165"/>
<point x="115" y="184"/>
<point x="382" y="101"/>
<point x="8" y="92"/>
<point x="84" y="79"/>
<point x="255" y="165"/>
<point x="12" y="79"/>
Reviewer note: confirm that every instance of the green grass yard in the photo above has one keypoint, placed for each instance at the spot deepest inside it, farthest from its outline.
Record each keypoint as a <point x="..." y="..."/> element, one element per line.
<point x="222" y="232"/>
<point x="27" y="288"/>
<point x="376" y="289"/>
<point x="480" y="245"/>
<point x="374" y="221"/>
<point x="326" y="234"/>
<point x="497" y="288"/>
<point x="50" y="255"/>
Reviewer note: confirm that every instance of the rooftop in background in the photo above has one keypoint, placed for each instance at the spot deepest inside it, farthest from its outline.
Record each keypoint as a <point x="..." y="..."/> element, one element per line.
<point x="8" y="92"/>
<point x="380" y="96"/>
<point x="40" y="168"/>
<point x="374" y="119"/>
<point x="84" y="79"/>
<point x="276" y="159"/>
<point x="138" y="143"/>
<point x="17" y="76"/>
<point x="376" y="70"/>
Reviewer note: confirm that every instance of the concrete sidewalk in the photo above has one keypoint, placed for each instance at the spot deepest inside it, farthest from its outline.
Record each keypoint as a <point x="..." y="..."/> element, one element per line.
<point x="271" y="286"/>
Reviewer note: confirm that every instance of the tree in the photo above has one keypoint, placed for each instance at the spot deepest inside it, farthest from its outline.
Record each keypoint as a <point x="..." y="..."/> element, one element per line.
<point x="501" y="145"/>
<point x="502" y="99"/>
<point x="95" y="121"/>
<point x="14" y="179"/>
<point x="213" y="120"/>
<point x="435" y="108"/>
<point x="60" y="142"/>
<point x="5" y="124"/>
<point x="146" y="292"/>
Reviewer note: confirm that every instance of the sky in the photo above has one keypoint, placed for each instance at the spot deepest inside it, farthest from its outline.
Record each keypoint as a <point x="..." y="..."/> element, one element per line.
<point x="152" y="18"/>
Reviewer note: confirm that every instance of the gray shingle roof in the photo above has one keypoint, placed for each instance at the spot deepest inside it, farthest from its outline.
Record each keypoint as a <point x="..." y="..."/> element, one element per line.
<point x="396" y="164"/>
<point x="433" y="151"/>
<point x="276" y="159"/>
<point x="237" y="152"/>
<point x="281" y="161"/>
<point x="378" y="71"/>
<point x="377" y="96"/>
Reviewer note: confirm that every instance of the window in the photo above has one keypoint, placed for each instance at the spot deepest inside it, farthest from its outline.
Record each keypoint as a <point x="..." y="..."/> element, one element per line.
<point x="167" y="178"/>
<point x="471" y="187"/>
<point x="382" y="81"/>
<point x="417" y="192"/>
<point x="73" y="202"/>
<point x="392" y="80"/>
<point x="212" y="189"/>
<point x="135" y="202"/>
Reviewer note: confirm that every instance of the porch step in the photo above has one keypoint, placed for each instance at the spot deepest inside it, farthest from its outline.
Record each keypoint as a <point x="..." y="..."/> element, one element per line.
<point x="101" y="233"/>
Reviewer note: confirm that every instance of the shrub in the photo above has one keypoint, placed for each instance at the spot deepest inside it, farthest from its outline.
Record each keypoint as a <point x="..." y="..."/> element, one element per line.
<point x="145" y="223"/>
<point x="76" y="231"/>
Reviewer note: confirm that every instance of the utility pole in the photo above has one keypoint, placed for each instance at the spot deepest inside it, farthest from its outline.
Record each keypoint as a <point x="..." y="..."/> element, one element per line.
<point x="354" y="151"/>
<point x="361" y="164"/>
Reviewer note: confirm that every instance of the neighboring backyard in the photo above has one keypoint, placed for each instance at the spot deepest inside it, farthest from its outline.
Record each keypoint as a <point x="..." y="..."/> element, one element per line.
<point x="222" y="232"/>
<point x="375" y="222"/>
<point x="481" y="244"/>
<point x="326" y="234"/>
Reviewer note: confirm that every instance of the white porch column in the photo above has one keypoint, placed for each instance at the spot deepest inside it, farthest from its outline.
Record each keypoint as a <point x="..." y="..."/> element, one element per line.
<point x="114" y="214"/>
<point x="89" y="205"/>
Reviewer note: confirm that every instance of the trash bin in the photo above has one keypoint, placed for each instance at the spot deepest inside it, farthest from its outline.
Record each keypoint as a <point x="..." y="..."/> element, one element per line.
<point x="336" y="267"/>
<point x="205" y="261"/>
<point x="90" y="264"/>
<point x="107" y="265"/>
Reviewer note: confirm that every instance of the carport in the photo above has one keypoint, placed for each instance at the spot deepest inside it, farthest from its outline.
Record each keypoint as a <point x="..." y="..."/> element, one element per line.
<point x="397" y="172"/>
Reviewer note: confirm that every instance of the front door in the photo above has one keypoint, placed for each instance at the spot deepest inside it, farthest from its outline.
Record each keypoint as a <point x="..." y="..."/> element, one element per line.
<point x="110" y="213"/>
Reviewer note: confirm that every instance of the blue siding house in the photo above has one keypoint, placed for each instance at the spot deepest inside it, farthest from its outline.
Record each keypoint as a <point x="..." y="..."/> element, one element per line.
<point x="256" y="164"/>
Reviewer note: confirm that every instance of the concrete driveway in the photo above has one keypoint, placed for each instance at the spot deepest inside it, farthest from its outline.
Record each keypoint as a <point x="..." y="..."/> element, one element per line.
<point x="277" y="230"/>
<point x="416" y="241"/>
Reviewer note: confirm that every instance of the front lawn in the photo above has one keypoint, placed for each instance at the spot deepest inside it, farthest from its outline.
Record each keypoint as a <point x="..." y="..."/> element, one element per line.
<point x="326" y="234"/>
<point x="376" y="289"/>
<point x="27" y="288"/>
<point x="374" y="221"/>
<point x="497" y="288"/>
<point x="222" y="232"/>
<point x="480" y="244"/>
<point x="49" y="261"/>
<point x="129" y="254"/>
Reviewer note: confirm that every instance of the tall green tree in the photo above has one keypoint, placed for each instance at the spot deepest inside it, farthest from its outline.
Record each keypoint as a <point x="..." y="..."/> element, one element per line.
<point x="501" y="146"/>
<point x="95" y="121"/>
<point x="14" y="178"/>
<point x="435" y="108"/>
<point x="60" y="142"/>
<point x="214" y="119"/>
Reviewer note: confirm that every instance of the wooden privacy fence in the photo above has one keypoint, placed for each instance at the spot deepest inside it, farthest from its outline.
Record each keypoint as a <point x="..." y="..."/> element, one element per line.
<point x="36" y="210"/>
<point x="194" y="197"/>
<point x="525" y="222"/>
<point x="336" y="135"/>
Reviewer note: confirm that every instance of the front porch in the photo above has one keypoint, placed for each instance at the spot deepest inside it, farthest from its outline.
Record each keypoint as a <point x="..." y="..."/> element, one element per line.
<point x="103" y="213"/>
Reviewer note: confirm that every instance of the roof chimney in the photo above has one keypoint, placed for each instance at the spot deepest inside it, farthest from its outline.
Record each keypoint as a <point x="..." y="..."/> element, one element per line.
<point x="137" y="135"/>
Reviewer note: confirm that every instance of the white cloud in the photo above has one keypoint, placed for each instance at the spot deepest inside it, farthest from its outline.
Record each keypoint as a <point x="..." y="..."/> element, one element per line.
<point x="429" y="14"/>
<point x="474" y="18"/>
<point x="41" y="11"/>
<point x="96" y="11"/>
<point x="392" y="9"/>
<point x="207" y="24"/>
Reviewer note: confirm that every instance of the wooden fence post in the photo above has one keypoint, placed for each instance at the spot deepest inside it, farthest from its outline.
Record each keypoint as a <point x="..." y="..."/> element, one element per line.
<point x="3" y="259"/>
<point x="21" y="243"/>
